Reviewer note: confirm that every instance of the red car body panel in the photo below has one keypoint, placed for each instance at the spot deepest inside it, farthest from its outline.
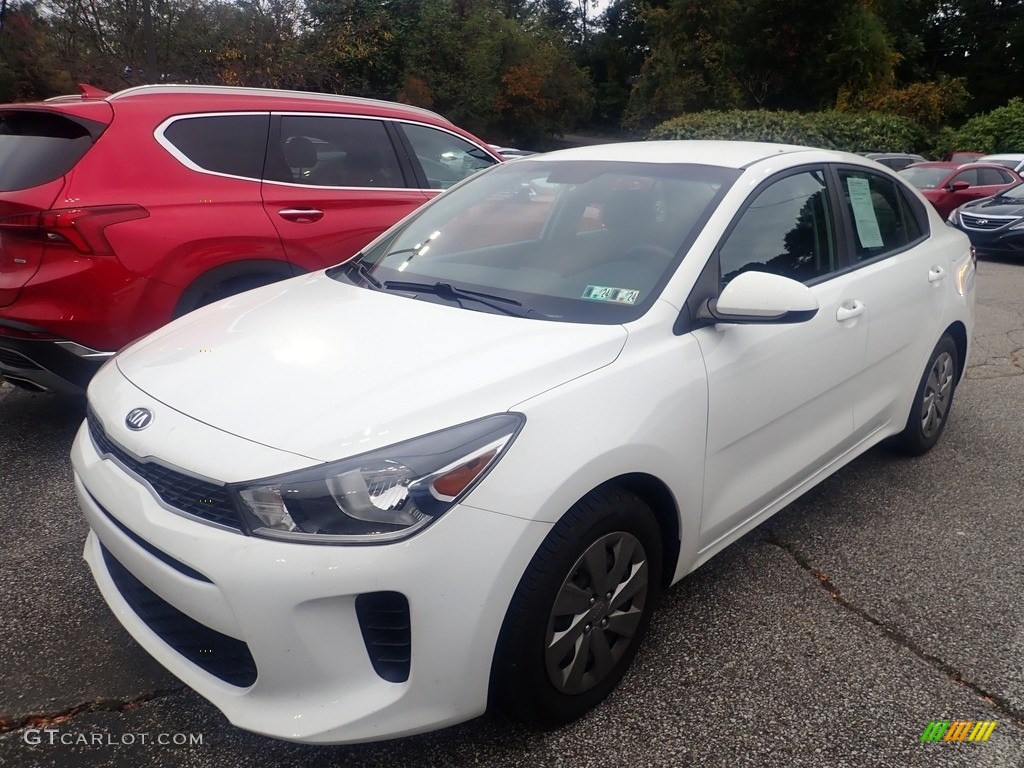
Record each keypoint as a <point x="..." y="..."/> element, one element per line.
<point x="134" y="230"/>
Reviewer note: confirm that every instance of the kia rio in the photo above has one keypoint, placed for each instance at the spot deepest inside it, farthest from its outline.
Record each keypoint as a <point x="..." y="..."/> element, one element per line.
<point x="457" y="470"/>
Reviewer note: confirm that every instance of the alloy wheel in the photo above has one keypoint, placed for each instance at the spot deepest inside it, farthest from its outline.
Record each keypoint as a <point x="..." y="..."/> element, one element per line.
<point x="937" y="394"/>
<point x="596" y="613"/>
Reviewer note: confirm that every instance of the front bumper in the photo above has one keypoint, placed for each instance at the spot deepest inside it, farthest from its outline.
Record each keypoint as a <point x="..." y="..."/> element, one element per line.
<point x="996" y="242"/>
<point x="291" y="609"/>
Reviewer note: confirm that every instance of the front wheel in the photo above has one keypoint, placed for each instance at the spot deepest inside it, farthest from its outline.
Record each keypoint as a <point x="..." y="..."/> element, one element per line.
<point x="580" y="611"/>
<point x="932" y="401"/>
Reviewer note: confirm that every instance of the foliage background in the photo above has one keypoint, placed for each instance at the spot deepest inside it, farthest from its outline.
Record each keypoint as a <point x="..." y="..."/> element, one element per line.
<point x="911" y="71"/>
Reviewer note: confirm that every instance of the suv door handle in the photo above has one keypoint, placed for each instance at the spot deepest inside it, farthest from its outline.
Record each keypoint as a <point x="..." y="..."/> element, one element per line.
<point x="849" y="310"/>
<point x="935" y="274"/>
<point x="301" y="215"/>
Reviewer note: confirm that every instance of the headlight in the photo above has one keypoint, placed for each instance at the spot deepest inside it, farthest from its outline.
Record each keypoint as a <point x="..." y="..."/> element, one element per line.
<point x="379" y="496"/>
<point x="952" y="219"/>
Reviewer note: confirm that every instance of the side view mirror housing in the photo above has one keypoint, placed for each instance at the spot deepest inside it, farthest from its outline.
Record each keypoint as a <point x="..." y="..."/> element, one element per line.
<point x="760" y="297"/>
<point x="958" y="186"/>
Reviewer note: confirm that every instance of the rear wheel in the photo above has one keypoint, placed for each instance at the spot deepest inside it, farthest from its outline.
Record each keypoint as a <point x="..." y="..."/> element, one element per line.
<point x="932" y="401"/>
<point x="580" y="611"/>
<point x="225" y="288"/>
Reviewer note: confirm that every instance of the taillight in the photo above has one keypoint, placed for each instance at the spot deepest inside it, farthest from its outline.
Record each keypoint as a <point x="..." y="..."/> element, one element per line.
<point x="81" y="228"/>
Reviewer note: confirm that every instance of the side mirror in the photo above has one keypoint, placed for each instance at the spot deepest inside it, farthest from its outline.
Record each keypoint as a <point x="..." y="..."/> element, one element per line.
<point x="761" y="297"/>
<point x="959" y="186"/>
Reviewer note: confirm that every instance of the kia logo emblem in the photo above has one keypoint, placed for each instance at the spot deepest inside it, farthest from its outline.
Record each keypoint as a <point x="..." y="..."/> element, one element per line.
<point x="138" y="418"/>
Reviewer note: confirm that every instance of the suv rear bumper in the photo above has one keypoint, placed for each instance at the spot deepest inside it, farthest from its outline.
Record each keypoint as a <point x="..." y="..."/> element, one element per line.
<point x="46" y="365"/>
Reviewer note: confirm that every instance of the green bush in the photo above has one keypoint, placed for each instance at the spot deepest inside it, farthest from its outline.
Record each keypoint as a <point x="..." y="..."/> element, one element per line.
<point x="1001" y="130"/>
<point x="849" y="131"/>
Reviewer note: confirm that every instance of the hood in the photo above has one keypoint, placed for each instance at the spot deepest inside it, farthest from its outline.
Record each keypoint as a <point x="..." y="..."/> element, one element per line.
<point x="994" y="206"/>
<point x="328" y="370"/>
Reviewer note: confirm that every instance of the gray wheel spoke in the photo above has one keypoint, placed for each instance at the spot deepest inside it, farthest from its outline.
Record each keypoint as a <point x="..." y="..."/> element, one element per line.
<point x="623" y="558"/>
<point x="578" y="666"/>
<point x="602" y="652"/>
<point x="595" y="566"/>
<point x="572" y="600"/>
<point x="633" y="585"/>
<point x="560" y="643"/>
<point x="624" y="624"/>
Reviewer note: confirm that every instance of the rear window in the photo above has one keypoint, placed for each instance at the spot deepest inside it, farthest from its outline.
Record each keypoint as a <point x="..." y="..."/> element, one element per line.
<point x="230" y="144"/>
<point x="38" y="147"/>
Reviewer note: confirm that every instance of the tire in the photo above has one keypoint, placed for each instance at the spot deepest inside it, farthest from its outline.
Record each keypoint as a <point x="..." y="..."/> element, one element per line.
<point x="932" y="400"/>
<point x="565" y="644"/>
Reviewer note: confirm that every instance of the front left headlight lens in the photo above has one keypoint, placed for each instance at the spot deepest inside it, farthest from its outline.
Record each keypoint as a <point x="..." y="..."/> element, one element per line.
<point x="381" y="496"/>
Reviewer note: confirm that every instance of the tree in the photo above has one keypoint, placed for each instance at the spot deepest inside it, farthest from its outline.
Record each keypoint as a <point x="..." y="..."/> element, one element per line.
<point x="497" y="76"/>
<point x="28" y="62"/>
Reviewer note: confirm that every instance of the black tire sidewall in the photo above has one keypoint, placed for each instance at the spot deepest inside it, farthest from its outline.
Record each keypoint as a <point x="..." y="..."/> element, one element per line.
<point x="520" y="681"/>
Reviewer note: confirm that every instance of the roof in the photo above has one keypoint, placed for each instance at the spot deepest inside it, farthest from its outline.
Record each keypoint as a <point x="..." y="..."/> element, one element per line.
<point x="726" y="154"/>
<point x="215" y="93"/>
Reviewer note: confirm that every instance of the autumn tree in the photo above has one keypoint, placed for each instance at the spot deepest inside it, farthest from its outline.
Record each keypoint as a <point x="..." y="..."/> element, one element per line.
<point x="28" y="63"/>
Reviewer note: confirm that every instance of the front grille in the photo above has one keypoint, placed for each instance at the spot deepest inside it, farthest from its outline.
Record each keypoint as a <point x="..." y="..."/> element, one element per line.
<point x="384" y="622"/>
<point x="222" y="656"/>
<point x="196" y="497"/>
<point x="985" y="223"/>
<point x="18" y="360"/>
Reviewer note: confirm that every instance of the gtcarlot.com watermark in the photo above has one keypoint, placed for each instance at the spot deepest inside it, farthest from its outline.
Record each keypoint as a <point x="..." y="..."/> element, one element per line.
<point x="54" y="737"/>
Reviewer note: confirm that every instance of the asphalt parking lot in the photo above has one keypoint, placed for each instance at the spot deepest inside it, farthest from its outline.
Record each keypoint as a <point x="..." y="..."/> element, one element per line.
<point x="888" y="597"/>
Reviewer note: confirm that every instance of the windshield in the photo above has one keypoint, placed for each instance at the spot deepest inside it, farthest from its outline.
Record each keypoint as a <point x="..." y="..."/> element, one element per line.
<point x="577" y="241"/>
<point x="1013" y="193"/>
<point x="925" y="178"/>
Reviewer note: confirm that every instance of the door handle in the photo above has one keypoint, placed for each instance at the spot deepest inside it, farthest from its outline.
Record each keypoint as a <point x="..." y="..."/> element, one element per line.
<point x="935" y="274"/>
<point x="849" y="310"/>
<point x="301" y="214"/>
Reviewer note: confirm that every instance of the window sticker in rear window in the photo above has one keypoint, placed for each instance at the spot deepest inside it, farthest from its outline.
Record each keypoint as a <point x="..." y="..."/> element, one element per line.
<point x="614" y="295"/>
<point x="864" y="213"/>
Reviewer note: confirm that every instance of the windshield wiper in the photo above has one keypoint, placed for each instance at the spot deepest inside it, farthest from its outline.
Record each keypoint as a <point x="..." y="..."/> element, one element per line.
<point x="364" y="272"/>
<point x="448" y="291"/>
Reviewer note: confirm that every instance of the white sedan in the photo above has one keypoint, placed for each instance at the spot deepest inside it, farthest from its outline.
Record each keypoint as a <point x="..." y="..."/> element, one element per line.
<point x="458" y="469"/>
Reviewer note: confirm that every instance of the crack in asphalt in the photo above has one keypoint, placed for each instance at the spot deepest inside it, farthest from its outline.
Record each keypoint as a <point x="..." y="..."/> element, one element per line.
<point x="102" y="705"/>
<point x="994" y="701"/>
<point x="997" y="365"/>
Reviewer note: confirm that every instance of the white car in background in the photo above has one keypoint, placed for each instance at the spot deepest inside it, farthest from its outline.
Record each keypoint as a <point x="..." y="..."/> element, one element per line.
<point x="1012" y="160"/>
<point x="458" y="469"/>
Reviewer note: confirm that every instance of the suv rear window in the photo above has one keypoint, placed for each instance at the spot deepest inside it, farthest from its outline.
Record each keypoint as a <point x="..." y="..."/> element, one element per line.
<point x="230" y="144"/>
<point x="38" y="147"/>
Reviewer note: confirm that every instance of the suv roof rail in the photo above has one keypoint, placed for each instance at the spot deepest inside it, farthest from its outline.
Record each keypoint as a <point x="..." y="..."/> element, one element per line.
<point x="272" y="92"/>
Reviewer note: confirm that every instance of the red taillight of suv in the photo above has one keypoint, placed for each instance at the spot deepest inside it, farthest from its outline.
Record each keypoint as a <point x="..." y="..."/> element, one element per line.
<point x="81" y="228"/>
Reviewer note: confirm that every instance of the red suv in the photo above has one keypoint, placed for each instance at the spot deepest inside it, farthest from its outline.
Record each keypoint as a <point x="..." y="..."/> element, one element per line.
<point x="120" y="212"/>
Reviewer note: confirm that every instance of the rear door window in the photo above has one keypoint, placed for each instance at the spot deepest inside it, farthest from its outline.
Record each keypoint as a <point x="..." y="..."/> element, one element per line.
<point x="235" y="145"/>
<point x="882" y="218"/>
<point x="331" y="151"/>
<point x="39" y="147"/>
<point x="989" y="177"/>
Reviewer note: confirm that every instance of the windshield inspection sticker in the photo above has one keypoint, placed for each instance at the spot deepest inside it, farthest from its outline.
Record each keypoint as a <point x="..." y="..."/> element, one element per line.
<point x="864" y="213"/>
<point x="616" y="295"/>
